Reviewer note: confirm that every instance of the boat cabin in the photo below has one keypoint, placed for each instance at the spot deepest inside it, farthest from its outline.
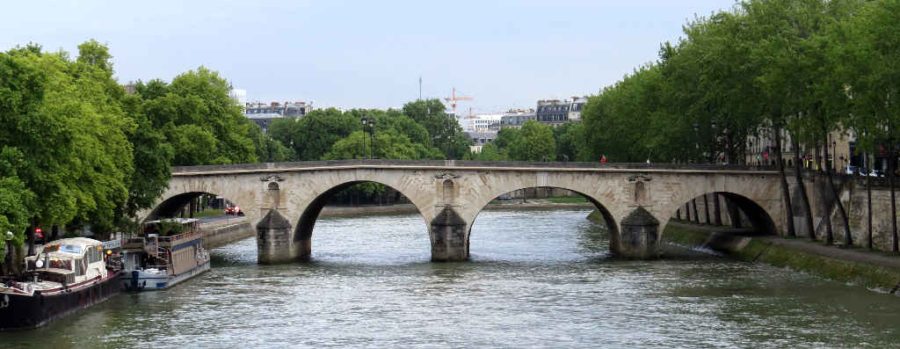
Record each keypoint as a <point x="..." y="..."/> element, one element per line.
<point x="167" y="244"/>
<point x="68" y="261"/>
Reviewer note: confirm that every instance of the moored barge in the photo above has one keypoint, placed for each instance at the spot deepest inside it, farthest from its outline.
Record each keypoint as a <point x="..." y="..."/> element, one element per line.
<point x="64" y="276"/>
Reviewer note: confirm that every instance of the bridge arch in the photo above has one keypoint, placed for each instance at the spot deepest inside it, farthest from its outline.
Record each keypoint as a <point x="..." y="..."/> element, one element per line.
<point x="605" y="214"/>
<point x="726" y="208"/>
<point x="306" y="207"/>
<point x="311" y="212"/>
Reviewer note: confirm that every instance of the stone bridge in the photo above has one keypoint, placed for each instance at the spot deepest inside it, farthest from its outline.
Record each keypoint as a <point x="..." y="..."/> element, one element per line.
<point x="283" y="200"/>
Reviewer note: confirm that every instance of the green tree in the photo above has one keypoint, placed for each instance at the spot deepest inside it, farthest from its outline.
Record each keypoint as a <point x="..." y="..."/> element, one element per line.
<point x="534" y="143"/>
<point x="64" y="119"/>
<point x="388" y="145"/>
<point x="197" y="104"/>
<point x="568" y="142"/>
<point x="870" y="55"/>
<point x="446" y="134"/>
<point x="312" y="136"/>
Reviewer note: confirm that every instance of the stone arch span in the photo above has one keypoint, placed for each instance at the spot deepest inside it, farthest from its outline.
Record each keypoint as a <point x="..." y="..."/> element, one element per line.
<point x="757" y="195"/>
<point x="607" y="191"/>
<point x="304" y="194"/>
<point x="302" y="234"/>
<point x="726" y="209"/>
<point x="605" y="213"/>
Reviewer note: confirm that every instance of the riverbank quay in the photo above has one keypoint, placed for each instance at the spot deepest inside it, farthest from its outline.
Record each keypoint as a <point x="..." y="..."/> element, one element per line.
<point x="877" y="271"/>
<point x="222" y="232"/>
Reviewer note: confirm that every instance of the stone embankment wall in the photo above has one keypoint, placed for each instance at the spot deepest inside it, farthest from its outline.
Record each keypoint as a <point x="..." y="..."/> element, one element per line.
<point x="221" y="233"/>
<point x="853" y="196"/>
<point x="852" y="191"/>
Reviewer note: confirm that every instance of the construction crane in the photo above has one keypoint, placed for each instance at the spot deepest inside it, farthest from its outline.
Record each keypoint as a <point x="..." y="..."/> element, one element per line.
<point x="454" y="98"/>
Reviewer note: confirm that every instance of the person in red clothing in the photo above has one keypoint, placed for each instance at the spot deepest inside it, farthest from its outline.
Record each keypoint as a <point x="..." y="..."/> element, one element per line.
<point x="603" y="159"/>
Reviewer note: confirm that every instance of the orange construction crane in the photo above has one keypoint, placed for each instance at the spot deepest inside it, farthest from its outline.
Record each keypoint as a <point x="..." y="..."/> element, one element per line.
<point x="454" y="98"/>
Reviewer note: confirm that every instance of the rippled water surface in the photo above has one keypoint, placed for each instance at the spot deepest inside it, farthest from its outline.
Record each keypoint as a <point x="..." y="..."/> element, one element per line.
<point x="536" y="279"/>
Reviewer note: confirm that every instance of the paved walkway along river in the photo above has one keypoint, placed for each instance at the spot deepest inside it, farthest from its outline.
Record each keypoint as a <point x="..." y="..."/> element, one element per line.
<point x="536" y="279"/>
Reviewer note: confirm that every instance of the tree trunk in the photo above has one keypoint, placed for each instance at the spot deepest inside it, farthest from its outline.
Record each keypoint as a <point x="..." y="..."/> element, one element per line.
<point x="869" y="243"/>
<point x="892" y="165"/>
<point x="29" y="235"/>
<point x="848" y="237"/>
<point x="696" y="211"/>
<point x="717" y="211"/>
<point x="826" y="199"/>
<point x="687" y="212"/>
<point x="706" y="208"/>
<point x="785" y="189"/>
<point x="734" y="214"/>
<point x="678" y="214"/>
<point x="804" y="199"/>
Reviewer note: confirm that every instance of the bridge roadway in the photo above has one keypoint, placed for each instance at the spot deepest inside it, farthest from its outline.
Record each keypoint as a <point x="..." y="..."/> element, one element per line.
<point x="283" y="200"/>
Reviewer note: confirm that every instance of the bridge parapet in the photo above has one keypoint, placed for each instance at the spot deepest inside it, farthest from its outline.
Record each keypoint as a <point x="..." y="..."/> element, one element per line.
<point x="459" y="164"/>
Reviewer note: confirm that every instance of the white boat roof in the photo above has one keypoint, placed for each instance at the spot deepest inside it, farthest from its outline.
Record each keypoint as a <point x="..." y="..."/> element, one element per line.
<point x="83" y="242"/>
<point x="176" y="220"/>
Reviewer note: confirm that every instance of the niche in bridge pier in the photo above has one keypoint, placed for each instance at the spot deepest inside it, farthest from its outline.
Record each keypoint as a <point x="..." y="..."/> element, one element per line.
<point x="640" y="192"/>
<point x="274" y="193"/>
<point x="448" y="191"/>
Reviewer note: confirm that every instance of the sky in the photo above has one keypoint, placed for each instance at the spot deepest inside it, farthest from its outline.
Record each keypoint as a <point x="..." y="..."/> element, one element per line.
<point x="369" y="54"/>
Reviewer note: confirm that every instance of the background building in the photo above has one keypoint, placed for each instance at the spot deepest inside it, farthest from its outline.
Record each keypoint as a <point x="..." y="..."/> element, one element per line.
<point x="552" y="111"/>
<point x="480" y="138"/>
<point x="555" y="112"/>
<point x="514" y="118"/>
<point x="483" y="122"/>
<point x="262" y="114"/>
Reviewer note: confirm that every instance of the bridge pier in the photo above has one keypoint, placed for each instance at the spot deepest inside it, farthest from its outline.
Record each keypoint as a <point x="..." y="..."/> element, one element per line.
<point x="448" y="237"/>
<point x="639" y="236"/>
<point x="275" y="241"/>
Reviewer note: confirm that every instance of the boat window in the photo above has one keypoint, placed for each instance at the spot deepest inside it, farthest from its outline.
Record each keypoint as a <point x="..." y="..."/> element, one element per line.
<point x="61" y="263"/>
<point x="93" y="255"/>
<point x="70" y="248"/>
<point x="79" y="267"/>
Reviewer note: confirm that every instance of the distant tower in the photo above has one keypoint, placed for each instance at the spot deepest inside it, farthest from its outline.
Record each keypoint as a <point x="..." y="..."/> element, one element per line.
<point x="420" y="87"/>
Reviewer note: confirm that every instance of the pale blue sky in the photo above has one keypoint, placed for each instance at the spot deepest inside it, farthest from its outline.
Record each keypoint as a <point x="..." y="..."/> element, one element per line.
<point x="369" y="53"/>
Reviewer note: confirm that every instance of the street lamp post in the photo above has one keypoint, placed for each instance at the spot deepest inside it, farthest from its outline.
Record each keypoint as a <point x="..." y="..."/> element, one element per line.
<point x="833" y="155"/>
<point x="365" y="121"/>
<point x="372" y="135"/>
<point x="696" y="137"/>
<point x="368" y="125"/>
<point x="713" y="157"/>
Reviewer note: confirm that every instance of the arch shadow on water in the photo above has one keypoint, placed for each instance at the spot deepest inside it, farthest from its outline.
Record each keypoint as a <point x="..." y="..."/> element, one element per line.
<point x="547" y="233"/>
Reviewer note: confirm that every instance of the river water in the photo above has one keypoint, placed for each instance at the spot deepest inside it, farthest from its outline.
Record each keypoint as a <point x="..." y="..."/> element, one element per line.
<point x="535" y="279"/>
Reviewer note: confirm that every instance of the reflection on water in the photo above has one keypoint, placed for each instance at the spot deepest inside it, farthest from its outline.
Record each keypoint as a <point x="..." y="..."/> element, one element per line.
<point x="536" y="279"/>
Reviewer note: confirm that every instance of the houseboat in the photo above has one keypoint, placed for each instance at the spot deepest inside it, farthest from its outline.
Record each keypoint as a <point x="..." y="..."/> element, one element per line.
<point x="64" y="276"/>
<point x="168" y="252"/>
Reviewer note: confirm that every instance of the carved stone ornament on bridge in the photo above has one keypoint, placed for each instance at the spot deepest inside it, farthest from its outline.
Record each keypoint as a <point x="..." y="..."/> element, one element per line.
<point x="446" y="175"/>
<point x="271" y="178"/>
<point x="639" y="178"/>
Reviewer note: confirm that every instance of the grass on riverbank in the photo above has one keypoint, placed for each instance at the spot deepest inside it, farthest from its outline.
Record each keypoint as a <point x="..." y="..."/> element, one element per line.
<point x="759" y="250"/>
<point x="209" y="212"/>
<point x="577" y="199"/>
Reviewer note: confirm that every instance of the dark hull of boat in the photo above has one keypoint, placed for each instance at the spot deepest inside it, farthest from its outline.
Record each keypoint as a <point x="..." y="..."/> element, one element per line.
<point x="26" y="312"/>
